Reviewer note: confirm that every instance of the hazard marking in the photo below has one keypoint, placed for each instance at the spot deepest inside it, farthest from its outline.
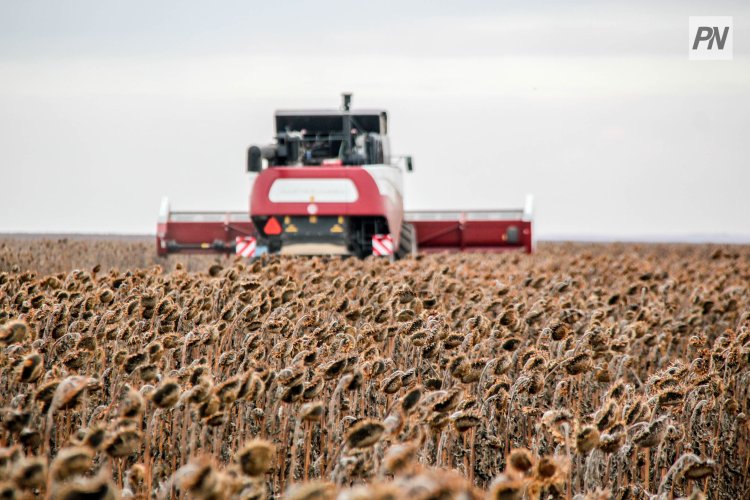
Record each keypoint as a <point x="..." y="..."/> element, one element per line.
<point x="245" y="246"/>
<point x="382" y="245"/>
<point x="272" y="226"/>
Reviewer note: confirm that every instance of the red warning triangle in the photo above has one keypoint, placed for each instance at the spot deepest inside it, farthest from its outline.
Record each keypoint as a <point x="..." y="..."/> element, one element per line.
<point x="272" y="226"/>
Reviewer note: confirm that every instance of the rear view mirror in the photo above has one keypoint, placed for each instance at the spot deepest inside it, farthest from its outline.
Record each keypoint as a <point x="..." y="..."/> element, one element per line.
<point x="254" y="159"/>
<point x="409" y="164"/>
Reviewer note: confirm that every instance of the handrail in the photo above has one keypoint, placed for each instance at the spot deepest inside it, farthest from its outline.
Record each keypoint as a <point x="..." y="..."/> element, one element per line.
<point x="467" y="215"/>
<point x="209" y="217"/>
<point x="164" y="210"/>
<point x="528" y="208"/>
<point x="167" y="215"/>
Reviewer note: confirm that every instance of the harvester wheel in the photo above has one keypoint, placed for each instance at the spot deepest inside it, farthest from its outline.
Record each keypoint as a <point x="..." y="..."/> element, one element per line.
<point x="408" y="242"/>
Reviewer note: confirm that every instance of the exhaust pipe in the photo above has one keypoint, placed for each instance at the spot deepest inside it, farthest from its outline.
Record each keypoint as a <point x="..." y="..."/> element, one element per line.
<point x="346" y="101"/>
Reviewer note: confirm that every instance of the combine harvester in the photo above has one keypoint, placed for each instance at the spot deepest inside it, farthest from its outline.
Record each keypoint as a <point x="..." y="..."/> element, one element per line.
<point x="329" y="185"/>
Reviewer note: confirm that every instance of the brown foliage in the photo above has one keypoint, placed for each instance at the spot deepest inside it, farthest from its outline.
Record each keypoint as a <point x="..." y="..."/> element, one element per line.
<point x="580" y="369"/>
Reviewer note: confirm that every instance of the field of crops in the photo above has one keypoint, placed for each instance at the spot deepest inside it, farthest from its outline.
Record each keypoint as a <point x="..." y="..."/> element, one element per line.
<point x="589" y="371"/>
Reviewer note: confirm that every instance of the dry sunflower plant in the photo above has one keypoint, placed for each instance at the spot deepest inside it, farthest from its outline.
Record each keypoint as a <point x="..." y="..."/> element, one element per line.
<point x="606" y="371"/>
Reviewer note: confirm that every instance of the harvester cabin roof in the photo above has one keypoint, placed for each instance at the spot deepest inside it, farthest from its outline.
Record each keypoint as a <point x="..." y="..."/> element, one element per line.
<point x="323" y="122"/>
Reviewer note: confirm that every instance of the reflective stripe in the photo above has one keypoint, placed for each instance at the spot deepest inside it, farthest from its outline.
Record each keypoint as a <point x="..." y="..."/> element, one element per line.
<point x="382" y="245"/>
<point x="245" y="246"/>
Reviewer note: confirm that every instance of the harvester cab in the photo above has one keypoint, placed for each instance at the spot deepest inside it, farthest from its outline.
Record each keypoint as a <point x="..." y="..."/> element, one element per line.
<point x="328" y="184"/>
<point x="316" y="138"/>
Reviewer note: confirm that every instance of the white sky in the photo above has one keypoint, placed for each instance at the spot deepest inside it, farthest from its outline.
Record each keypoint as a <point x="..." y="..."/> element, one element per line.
<point x="106" y="106"/>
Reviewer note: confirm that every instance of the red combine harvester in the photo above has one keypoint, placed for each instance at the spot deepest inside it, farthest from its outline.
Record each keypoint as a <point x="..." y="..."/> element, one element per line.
<point x="329" y="185"/>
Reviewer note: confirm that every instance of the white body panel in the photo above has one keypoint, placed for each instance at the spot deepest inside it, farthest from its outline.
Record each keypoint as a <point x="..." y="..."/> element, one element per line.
<point x="389" y="179"/>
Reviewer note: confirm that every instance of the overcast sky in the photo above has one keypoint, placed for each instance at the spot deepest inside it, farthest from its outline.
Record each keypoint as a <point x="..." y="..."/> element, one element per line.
<point x="593" y="107"/>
